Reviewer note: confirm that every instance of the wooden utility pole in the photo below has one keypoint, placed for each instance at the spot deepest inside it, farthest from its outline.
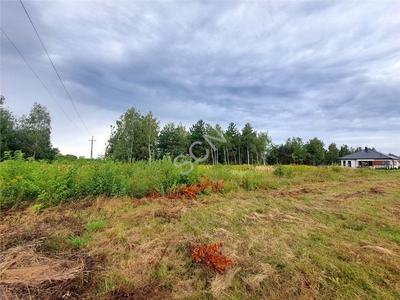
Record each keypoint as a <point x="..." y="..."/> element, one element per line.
<point x="91" y="147"/>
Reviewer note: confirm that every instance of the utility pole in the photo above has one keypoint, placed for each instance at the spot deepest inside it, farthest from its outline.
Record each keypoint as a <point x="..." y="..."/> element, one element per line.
<point x="91" y="147"/>
<point x="108" y="142"/>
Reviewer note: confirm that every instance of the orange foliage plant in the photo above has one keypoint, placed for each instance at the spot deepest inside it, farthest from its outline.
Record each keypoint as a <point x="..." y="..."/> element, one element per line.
<point x="211" y="255"/>
<point x="191" y="191"/>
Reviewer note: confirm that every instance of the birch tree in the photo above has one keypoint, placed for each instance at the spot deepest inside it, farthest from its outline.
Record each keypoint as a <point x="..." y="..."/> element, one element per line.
<point x="126" y="138"/>
<point x="150" y="128"/>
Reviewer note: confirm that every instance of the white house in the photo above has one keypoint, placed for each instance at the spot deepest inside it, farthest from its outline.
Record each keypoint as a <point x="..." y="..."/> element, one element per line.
<point x="370" y="158"/>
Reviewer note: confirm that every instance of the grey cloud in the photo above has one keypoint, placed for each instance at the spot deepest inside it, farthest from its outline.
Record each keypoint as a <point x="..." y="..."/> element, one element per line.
<point x="309" y="66"/>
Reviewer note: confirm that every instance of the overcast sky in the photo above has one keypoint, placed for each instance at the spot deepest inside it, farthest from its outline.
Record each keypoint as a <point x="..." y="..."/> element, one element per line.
<point x="326" y="69"/>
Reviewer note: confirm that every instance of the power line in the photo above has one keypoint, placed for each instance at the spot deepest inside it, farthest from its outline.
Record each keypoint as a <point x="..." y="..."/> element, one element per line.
<point x="54" y="67"/>
<point x="37" y="76"/>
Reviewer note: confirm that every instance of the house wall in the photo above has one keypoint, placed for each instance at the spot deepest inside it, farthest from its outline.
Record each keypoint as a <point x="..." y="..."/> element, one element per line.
<point x="349" y="163"/>
<point x="396" y="164"/>
<point x="369" y="163"/>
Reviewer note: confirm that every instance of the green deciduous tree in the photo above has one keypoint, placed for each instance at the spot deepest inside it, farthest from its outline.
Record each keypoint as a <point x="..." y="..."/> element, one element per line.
<point x="126" y="139"/>
<point x="263" y="144"/>
<point x="344" y="150"/>
<point x="33" y="133"/>
<point x="134" y="137"/>
<point x="7" y="128"/>
<point x="293" y="151"/>
<point x="150" y="129"/>
<point x="173" y="140"/>
<point x="332" y="155"/>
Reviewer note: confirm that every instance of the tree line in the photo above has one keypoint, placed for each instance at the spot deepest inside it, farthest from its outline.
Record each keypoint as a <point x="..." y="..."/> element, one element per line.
<point x="137" y="137"/>
<point x="312" y="152"/>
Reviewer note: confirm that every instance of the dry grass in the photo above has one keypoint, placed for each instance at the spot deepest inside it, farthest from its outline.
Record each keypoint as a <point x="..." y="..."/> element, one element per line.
<point x="27" y="274"/>
<point x="336" y="238"/>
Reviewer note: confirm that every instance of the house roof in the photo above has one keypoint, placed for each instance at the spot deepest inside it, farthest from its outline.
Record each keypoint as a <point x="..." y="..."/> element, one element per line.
<point x="368" y="153"/>
<point x="396" y="157"/>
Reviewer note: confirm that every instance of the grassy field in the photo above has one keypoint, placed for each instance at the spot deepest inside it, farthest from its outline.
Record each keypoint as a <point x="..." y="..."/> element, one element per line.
<point x="292" y="232"/>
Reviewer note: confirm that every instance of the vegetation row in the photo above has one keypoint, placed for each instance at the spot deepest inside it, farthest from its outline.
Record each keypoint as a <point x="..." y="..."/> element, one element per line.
<point x="27" y="181"/>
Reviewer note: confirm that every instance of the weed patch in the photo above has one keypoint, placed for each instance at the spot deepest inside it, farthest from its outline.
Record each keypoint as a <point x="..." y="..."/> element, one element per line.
<point x="96" y="225"/>
<point x="79" y="241"/>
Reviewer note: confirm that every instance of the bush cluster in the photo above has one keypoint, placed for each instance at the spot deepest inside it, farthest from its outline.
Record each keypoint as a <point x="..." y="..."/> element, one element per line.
<point x="28" y="180"/>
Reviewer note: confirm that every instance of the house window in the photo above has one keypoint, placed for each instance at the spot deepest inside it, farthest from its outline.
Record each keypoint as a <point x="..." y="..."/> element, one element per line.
<point x="349" y="163"/>
<point x="344" y="163"/>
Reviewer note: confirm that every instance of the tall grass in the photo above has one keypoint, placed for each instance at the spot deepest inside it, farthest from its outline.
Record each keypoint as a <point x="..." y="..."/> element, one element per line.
<point x="24" y="181"/>
<point x="27" y="180"/>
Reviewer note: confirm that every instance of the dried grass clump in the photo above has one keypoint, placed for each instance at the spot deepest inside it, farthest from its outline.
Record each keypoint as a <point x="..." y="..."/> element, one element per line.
<point x="169" y="214"/>
<point x="223" y="281"/>
<point x="379" y="249"/>
<point x="26" y="274"/>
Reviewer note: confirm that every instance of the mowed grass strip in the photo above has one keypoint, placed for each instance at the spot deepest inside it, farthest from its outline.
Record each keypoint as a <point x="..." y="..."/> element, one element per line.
<point x="321" y="234"/>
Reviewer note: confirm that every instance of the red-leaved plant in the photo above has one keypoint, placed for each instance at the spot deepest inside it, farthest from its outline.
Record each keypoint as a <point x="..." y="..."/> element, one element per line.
<point x="211" y="255"/>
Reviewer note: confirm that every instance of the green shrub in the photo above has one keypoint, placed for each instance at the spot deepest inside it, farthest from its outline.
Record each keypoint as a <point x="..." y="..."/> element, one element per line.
<point x="79" y="241"/>
<point x="254" y="180"/>
<point x="279" y="171"/>
<point x="287" y="171"/>
<point x="96" y="225"/>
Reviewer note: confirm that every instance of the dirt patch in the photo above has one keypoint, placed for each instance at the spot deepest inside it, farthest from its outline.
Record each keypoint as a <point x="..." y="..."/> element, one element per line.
<point x="11" y="235"/>
<point x="391" y="184"/>
<point x="305" y="190"/>
<point x="30" y="227"/>
<point x="26" y="274"/>
<point x="291" y="194"/>
<point x="108" y="204"/>
<point x="297" y="194"/>
<point x="314" y="180"/>
<point x="376" y="190"/>
<point x="153" y="291"/>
